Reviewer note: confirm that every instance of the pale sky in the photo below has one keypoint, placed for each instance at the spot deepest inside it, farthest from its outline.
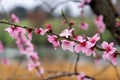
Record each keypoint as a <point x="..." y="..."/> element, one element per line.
<point x="31" y="4"/>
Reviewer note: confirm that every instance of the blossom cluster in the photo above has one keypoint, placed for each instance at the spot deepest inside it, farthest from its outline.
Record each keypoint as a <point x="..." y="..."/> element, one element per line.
<point x="23" y="39"/>
<point x="79" y="44"/>
<point x="66" y="40"/>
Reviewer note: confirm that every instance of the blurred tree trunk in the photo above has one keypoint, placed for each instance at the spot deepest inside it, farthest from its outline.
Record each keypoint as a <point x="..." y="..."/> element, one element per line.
<point x="118" y="6"/>
<point x="105" y="8"/>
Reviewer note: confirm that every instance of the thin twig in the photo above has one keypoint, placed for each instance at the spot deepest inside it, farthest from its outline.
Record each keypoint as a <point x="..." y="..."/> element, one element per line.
<point x="76" y="63"/>
<point x="67" y="21"/>
<point x="64" y="75"/>
<point x="17" y="25"/>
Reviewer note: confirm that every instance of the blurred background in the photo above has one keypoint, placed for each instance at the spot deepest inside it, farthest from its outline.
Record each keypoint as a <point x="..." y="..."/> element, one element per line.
<point x="36" y="13"/>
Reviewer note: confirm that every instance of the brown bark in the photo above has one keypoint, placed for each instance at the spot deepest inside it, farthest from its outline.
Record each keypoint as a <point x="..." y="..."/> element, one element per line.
<point x="105" y="8"/>
<point x="118" y="6"/>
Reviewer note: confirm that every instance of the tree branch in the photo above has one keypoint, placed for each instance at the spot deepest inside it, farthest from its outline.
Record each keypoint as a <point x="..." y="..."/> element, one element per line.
<point x="76" y="63"/>
<point x="70" y="39"/>
<point x="106" y="8"/>
<point x="65" y="75"/>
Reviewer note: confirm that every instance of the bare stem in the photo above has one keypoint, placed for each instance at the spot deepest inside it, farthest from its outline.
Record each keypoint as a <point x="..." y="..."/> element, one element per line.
<point x="76" y="63"/>
<point x="70" y="39"/>
<point x="64" y="75"/>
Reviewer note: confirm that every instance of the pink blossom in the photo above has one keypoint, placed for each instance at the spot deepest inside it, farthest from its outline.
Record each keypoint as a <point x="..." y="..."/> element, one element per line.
<point x="67" y="45"/>
<point x="92" y="40"/>
<point x="81" y="76"/>
<point x="41" y="71"/>
<point x="82" y="3"/>
<point x="79" y="38"/>
<point x="82" y="46"/>
<point x="100" y="24"/>
<point x="66" y="33"/>
<point x="15" y="31"/>
<point x="39" y="31"/>
<point x="5" y="61"/>
<point x="71" y="23"/>
<point x="109" y="49"/>
<point x="53" y="39"/>
<point x="84" y="26"/>
<point x="25" y="45"/>
<point x="1" y="47"/>
<point x="10" y="30"/>
<point x="32" y="64"/>
<point x="90" y="51"/>
<point x="112" y="58"/>
<point x="34" y="56"/>
<point x="48" y="26"/>
<point x="14" y="18"/>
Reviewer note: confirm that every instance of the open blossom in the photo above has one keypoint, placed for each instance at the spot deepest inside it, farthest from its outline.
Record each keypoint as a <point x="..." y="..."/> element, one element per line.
<point x="39" y="31"/>
<point x="53" y="39"/>
<point x="90" y="51"/>
<point x="66" y="33"/>
<point x="79" y="38"/>
<point x="109" y="49"/>
<point x="84" y="26"/>
<point x="25" y="45"/>
<point x="14" y="18"/>
<point x="113" y="58"/>
<point x="10" y="30"/>
<point x="67" y="45"/>
<point x="92" y="40"/>
<point x="15" y="31"/>
<point x="82" y="46"/>
<point x="100" y="24"/>
<point x="85" y="46"/>
<point x="1" y="47"/>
